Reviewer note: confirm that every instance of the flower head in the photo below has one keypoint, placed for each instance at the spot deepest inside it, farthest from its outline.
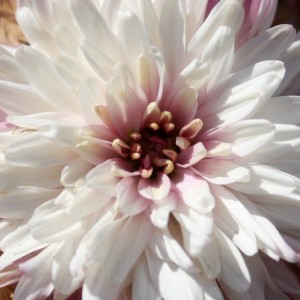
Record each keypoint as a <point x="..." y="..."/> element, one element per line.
<point x="149" y="152"/>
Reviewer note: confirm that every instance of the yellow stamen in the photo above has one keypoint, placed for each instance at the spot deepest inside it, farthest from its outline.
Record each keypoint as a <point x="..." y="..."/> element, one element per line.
<point x="165" y="117"/>
<point x="190" y="130"/>
<point x="154" y="126"/>
<point x="136" y="136"/>
<point x="182" y="142"/>
<point x="135" y="156"/>
<point x="169" y="168"/>
<point x="121" y="147"/>
<point x="147" y="173"/>
<point x="168" y="127"/>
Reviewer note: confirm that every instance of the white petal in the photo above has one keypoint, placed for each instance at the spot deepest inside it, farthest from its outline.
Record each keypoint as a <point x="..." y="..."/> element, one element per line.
<point x="281" y="110"/>
<point x="183" y="105"/>
<point x="82" y="207"/>
<point x="228" y="13"/>
<point x="128" y="200"/>
<point x="46" y="215"/>
<point x="261" y="288"/>
<point x="41" y="10"/>
<point x="155" y="188"/>
<point x="18" y="243"/>
<point x="167" y="248"/>
<point x="61" y="133"/>
<point x="41" y="73"/>
<point x="123" y="94"/>
<point x="210" y="258"/>
<point x="286" y="139"/>
<point x="219" y="54"/>
<point x="74" y="171"/>
<point x="174" y="283"/>
<point x="245" y="97"/>
<point x="94" y="27"/>
<point x="234" y="271"/>
<point x="161" y="210"/>
<point x="245" y="136"/>
<point x="265" y="46"/>
<point x="147" y="76"/>
<point x="71" y="70"/>
<point x="234" y="220"/>
<point x="127" y="248"/>
<point x="101" y="63"/>
<point x="46" y="153"/>
<point x="191" y="155"/>
<point x="132" y="36"/>
<point x="66" y="40"/>
<point x="37" y="120"/>
<point x="105" y="231"/>
<point x="195" y="74"/>
<point x="93" y="288"/>
<point x="90" y="96"/>
<point x="196" y="230"/>
<point x="217" y="149"/>
<point x="282" y="276"/>
<point x="193" y="190"/>
<point x="266" y="180"/>
<point x="23" y="200"/>
<point x="102" y="178"/>
<point x="171" y="35"/>
<point x="65" y="282"/>
<point x="142" y="286"/>
<point x="15" y="99"/>
<point x="32" y="29"/>
<point x="149" y="18"/>
<point x="283" y="217"/>
<point x="37" y="283"/>
<point x="220" y="171"/>
<point x="95" y="151"/>
<point x="291" y="61"/>
<point x="270" y="240"/>
<point x="14" y="176"/>
<point x="9" y="70"/>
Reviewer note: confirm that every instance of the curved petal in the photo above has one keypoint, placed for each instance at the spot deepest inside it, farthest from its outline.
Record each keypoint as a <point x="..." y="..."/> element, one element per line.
<point x="156" y="188"/>
<point x="193" y="190"/>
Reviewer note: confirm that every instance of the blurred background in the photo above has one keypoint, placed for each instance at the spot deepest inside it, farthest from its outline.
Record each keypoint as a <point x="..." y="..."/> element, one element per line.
<point x="288" y="12"/>
<point x="9" y="30"/>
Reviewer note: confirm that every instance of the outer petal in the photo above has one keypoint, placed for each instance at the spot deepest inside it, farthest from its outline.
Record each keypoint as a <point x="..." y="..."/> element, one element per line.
<point x="234" y="271"/>
<point x="46" y="153"/>
<point x="44" y="77"/>
<point x="220" y="171"/>
<point x="245" y="136"/>
<point x="142" y="286"/>
<point x="102" y="178"/>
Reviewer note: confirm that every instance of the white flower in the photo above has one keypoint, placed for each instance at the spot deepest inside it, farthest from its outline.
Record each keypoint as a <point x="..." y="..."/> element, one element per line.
<point x="149" y="152"/>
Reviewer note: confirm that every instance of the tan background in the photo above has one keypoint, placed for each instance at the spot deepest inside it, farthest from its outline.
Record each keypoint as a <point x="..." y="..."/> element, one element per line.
<point x="9" y="30"/>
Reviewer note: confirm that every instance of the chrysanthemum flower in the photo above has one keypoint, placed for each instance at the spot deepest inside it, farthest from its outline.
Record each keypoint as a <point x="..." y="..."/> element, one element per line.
<point x="149" y="151"/>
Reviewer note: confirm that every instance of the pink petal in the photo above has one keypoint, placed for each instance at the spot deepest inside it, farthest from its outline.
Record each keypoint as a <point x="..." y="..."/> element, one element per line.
<point x="193" y="190"/>
<point x="191" y="155"/>
<point x="128" y="201"/>
<point x="123" y="95"/>
<point x="155" y="188"/>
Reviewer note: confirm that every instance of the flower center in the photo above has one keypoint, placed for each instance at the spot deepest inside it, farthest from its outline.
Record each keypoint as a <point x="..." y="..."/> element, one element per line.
<point x="156" y="147"/>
